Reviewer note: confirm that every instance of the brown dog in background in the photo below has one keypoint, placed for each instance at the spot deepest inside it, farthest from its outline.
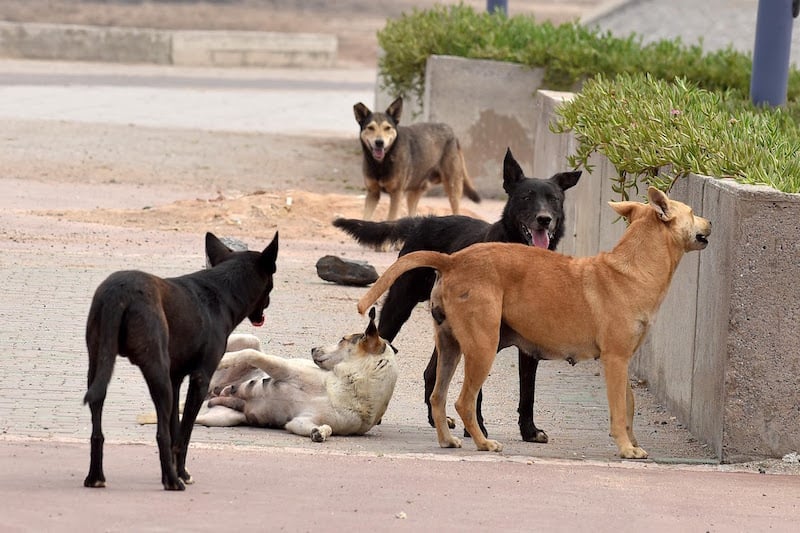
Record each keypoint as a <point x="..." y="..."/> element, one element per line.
<point x="409" y="159"/>
<point x="568" y="308"/>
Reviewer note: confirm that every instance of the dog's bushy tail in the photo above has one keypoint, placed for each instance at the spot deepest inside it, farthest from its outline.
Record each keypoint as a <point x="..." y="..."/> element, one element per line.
<point x="102" y="339"/>
<point x="378" y="234"/>
<point x="424" y="258"/>
<point x="470" y="192"/>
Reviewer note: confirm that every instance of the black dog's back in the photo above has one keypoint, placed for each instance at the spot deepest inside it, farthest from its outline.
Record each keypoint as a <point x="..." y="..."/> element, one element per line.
<point x="533" y="205"/>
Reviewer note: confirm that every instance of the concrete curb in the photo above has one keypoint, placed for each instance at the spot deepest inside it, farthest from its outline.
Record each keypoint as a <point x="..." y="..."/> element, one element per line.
<point x="168" y="47"/>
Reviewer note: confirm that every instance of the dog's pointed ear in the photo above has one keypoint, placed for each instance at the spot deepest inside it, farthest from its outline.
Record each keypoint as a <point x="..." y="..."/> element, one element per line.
<point x="372" y="329"/>
<point x="269" y="256"/>
<point x="372" y="340"/>
<point x="395" y="109"/>
<point x="361" y="112"/>
<point x="660" y="202"/>
<point x="216" y="251"/>
<point x="512" y="172"/>
<point x="628" y="210"/>
<point x="566" y="180"/>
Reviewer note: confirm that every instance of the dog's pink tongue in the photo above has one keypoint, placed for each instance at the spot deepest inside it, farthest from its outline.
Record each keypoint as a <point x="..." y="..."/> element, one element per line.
<point x="541" y="239"/>
<point x="259" y="323"/>
<point x="378" y="153"/>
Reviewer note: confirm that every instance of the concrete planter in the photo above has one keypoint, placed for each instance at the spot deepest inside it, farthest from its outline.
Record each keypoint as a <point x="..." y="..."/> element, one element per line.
<point x="724" y="352"/>
<point x="489" y="105"/>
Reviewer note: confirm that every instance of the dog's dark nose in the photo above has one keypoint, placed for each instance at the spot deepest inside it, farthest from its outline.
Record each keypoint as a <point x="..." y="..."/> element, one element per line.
<point x="544" y="220"/>
<point x="378" y="143"/>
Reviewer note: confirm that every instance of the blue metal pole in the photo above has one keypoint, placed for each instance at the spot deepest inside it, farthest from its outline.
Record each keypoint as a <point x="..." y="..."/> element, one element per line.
<point x="492" y="5"/>
<point x="770" y="76"/>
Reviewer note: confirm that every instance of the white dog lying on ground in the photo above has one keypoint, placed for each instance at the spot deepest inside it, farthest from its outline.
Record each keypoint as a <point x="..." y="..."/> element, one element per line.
<point x="346" y="392"/>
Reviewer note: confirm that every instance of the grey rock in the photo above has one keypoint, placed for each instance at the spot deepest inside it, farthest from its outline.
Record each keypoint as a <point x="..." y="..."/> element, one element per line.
<point x="345" y="271"/>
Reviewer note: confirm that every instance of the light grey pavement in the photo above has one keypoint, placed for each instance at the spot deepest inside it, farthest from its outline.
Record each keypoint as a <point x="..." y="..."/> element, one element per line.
<point x="394" y="478"/>
<point x="291" y="101"/>
<point x="716" y="24"/>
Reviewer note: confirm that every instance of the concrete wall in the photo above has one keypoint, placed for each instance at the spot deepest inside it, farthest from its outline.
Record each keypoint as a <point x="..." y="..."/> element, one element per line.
<point x="138" y="45"/>
<point x="724" y="352"/>
<point x="489" y="105"/>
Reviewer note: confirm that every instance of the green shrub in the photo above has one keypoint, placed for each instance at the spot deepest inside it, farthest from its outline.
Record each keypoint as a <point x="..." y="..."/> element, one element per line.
<point x="655" y="132"/>
<point x="570" y="53"/>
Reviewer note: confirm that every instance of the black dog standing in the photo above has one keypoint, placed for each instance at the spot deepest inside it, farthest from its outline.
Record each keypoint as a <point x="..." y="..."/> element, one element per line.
<point x="172" y="328"/>
<point x="533" y="215"/>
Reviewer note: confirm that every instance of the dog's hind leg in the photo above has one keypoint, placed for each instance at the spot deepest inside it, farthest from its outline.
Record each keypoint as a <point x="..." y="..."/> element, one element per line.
<point x="447" y="361"/>
<point x="222" y="415"/>
<point x="96" y="478"/>
<point x="158" y="383"/>
<point x="410" y="288"/>
<point x="476" y="370"/>
<point x="528" y="364"/>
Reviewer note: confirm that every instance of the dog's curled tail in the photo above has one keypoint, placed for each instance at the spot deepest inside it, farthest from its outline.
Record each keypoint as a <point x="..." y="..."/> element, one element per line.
<point x="378" y="234"/>
<point x="424" y="258"/>
<point x="102" y="340"/>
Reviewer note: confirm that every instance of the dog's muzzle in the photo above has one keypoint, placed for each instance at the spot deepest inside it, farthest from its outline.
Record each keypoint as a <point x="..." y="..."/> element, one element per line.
<point x="258" y="321"/>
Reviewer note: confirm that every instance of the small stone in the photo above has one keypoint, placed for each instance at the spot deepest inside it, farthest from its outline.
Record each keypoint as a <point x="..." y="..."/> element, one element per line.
<point x="345" y="271"/>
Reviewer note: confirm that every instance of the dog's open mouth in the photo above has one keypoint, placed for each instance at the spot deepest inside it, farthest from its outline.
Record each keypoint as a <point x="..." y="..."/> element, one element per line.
<point x="258" y="322"/>
<point x="539" y="238"/>
<point x="702" y="239"/>
<point x="378" y="153"/>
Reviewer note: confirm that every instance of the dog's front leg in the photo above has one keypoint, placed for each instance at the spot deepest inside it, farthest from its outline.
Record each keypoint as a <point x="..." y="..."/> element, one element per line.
<point x="528" y="365"/>
<point x="617" y="390"/>
<point x="371" y="202"/>
<point x="195" y="395"/>
<point x="631" y="407"/>
<point x="395" y="197"/>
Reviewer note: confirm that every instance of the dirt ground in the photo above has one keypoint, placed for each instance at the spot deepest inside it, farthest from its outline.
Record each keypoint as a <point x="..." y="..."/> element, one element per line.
<point x="252" y="180"/>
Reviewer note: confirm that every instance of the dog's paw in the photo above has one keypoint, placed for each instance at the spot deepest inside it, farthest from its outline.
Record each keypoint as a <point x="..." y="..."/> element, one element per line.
<point x="186" y="477"/>
<point x="321" y="433"/>
<point x="94" y="483"/>
<point x="175" y="484"/>
<point x="535" y="435"/>
<point x="452" y="442"/>
<point x="489" y="445"/>
<point x="450" y="422"/>
<point x="634" y="452"/>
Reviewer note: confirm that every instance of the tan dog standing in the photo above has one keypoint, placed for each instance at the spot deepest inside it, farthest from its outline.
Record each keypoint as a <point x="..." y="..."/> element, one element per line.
<point x="569" y="308"/>
<point x="409" y="159"/>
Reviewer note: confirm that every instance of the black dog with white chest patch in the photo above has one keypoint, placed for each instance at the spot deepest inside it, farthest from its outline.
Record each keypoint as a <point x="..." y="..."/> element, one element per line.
<point x="533" y="215"/>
